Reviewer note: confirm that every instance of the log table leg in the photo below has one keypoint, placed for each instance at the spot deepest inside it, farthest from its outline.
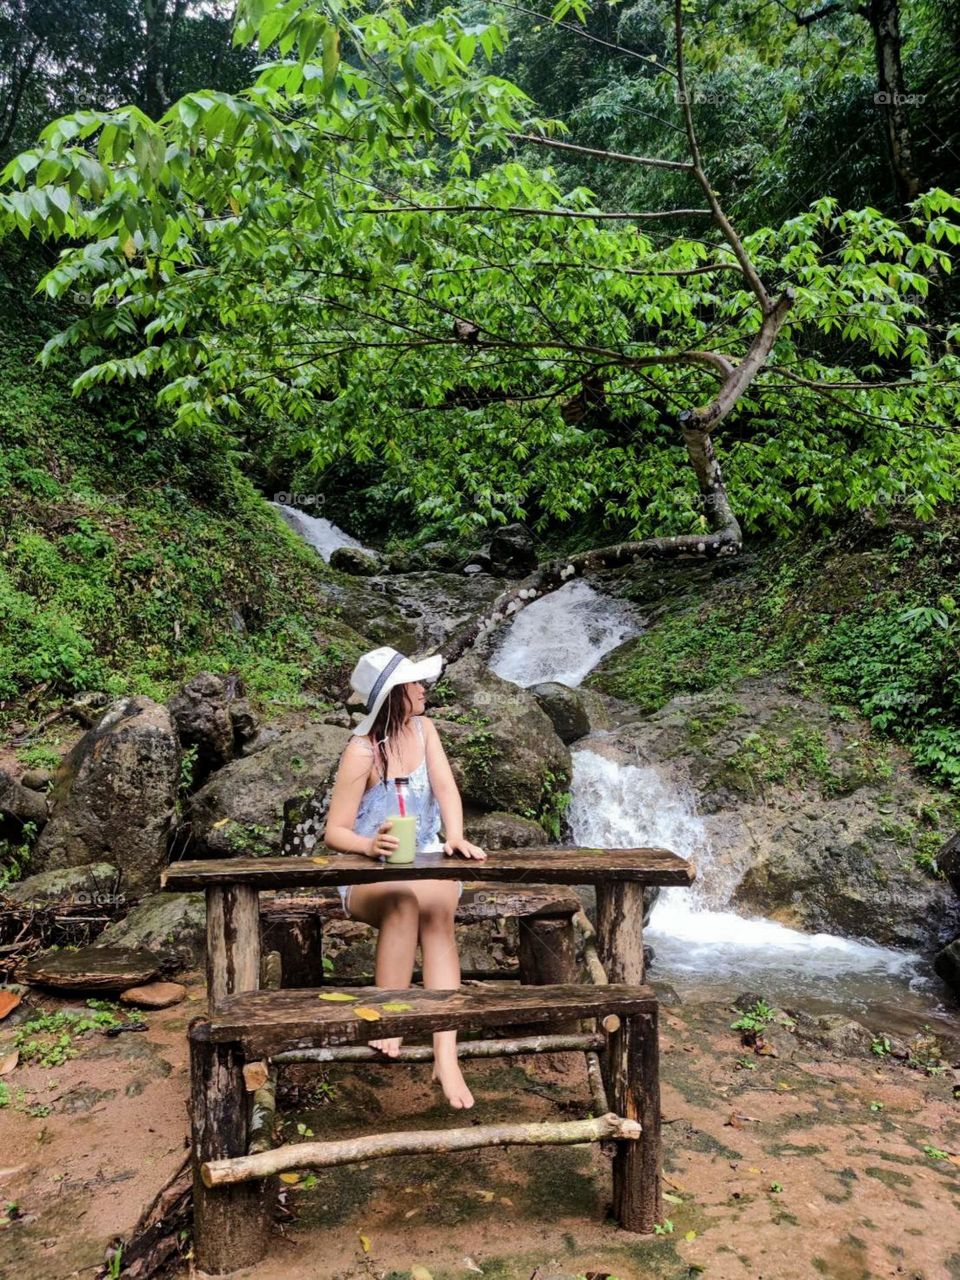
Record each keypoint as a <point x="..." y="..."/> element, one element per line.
<point x="548" y="955"/>
<point x="233" y="941"/>
<point x="620" y="930"/>
<point x="633" y="1069"/>
<point x="230" y="1224"/>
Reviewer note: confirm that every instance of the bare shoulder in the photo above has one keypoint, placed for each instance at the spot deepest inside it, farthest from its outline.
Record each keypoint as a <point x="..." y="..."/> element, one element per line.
<point x="429" y="728"/>
<point x="359" y="747"/>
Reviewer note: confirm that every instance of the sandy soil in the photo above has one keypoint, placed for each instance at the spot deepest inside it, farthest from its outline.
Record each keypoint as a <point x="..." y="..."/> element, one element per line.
<point x="807" y="1165"/>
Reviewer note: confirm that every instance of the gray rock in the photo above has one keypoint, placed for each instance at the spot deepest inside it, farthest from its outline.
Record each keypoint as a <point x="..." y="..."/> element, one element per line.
<point x="946" y="965"/>
<point x="213" y="718"/>
<point x="512" y="553"/>
<point x="355" y="560"/>
<point x="510" y="759"/>
<point x="37" y="779"/>
<point x="18" y="806"/>
<point x="244" y="807"/>
<point x="498" y="830"/>
<point x="835" y="1031"/>
<point x="67" y="884"/>
<point x="115" y="795"/>
<point x="88" y="707"/>
<point x="565" y="708"/>
<point x="413" y="611"/>
<point x="171" y="925"/>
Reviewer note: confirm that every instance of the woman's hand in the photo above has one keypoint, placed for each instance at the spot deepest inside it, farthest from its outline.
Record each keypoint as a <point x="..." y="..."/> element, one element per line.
<point x="381" y="844"/>
<point x="464" y="848"/>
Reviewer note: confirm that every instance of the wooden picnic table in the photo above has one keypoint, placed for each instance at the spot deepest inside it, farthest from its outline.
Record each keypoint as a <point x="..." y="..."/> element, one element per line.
<point x="233" y="885"/>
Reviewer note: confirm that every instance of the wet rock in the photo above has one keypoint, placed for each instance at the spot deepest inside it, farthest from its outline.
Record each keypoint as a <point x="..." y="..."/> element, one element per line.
<point x="434" y="604"/>
<point x="171" y="925"/>
<point x="355" y="560"/>
<point x="37" y="779"/>
<point x="95" y="968"/>
<point x="509" y="758"/>
<point x="213" y="718"/>
<point x="565" y="708"/>
<point x="341" y="718"/>
<point x="836" y="1032"/>
<point x="19" y="805"/>
<point x="245" y="805"/>
<point x="155" y="995"/>
<point x="67" y="885"/>
<point x="946" y="965"/>
<point x="499" y="830"/>
<point x="512" y="552"/>
<point x="83" y="1098"/>
<point x="479" y="561"/>
<point x="114" y="796"/>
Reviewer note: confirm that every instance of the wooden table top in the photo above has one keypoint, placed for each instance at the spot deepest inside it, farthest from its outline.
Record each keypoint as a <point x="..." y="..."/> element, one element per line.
<point x="508" y="866"/>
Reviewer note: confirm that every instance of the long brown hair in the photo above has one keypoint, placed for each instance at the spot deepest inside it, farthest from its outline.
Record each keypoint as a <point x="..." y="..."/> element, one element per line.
<point x="385" y="731"/>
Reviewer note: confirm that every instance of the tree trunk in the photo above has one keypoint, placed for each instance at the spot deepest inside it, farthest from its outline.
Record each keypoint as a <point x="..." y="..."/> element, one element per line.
<point x="884" y="19"/>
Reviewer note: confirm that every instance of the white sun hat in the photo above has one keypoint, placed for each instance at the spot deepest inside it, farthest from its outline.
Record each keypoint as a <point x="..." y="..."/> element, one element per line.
<point x="379" y="671"/>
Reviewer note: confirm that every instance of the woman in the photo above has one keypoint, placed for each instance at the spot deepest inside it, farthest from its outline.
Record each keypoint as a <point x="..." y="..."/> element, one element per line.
<point x="396" y="740"/>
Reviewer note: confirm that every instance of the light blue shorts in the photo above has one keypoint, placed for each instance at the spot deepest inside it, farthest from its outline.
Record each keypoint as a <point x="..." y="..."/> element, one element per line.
<point x="344" y="892"/>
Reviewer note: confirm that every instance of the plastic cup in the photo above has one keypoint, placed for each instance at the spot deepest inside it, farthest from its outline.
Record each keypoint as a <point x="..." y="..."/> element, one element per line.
<point x="405" y="829"/>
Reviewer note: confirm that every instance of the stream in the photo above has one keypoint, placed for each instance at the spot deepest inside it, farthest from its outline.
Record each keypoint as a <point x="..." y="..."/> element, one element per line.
<point x="703" y="948"/>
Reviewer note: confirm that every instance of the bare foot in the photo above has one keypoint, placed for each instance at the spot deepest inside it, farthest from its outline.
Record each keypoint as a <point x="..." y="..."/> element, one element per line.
<point x="454" y="1086"/>
<point x="389" y="1047"/>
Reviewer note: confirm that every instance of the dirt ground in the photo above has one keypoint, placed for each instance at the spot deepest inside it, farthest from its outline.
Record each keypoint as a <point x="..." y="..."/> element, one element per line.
<point x="808" y="1164"/>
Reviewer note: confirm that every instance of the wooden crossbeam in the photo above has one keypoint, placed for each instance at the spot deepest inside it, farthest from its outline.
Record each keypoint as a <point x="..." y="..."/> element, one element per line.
<point x="465" y="1049"/>
<point x="328" y="1155"/>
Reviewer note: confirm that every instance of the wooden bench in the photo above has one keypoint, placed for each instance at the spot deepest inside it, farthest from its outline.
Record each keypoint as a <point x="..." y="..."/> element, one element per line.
<point x="234" y="1159"/>
<point x="292" y="925"/>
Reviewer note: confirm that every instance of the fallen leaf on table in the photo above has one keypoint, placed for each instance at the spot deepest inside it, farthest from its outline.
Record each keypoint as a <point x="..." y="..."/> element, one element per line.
<point x="320" y="862"/>
<point x="364" y="1242"/>
<point x="336" y="995"/>
<point x="368" y="1015"/>
<point x="8" y="1002"/>
<point x="9" y="1061"/>
<point x="396" y="1006"/>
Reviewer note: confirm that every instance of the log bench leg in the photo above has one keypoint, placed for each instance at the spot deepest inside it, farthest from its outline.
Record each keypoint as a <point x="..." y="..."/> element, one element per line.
<point x="633" y="1058"/>
<point x="300" y="943"/>
<point x="230" y="1224"/>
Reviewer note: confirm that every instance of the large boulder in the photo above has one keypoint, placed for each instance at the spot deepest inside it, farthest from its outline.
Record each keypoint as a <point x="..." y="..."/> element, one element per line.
<point x="355" y="560"/>
<point x="502" y="747"/>
<point x="499" y="830"/>
<point x="19" y="806"/>
<point x="809" y="819"/>
<point x="212" y="717"/>
<point x="247" y="804"/>
<point x="512" y="552"/>
<point x="91" y="883"/>
<point x="946" y="964"/>
<point x="115" y="796"/>
<point x="565" y="707"/>
<point x="170" y="925"/>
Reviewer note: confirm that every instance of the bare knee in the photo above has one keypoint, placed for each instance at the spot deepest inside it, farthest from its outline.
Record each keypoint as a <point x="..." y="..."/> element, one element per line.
<point x="400" y="908"/>
<point x="437" y="917"/>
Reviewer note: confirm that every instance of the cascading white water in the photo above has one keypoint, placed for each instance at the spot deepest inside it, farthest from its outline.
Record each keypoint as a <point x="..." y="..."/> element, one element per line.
<point x="695" y="934"/>
<point x="563" y="636"/>
<point x="320" y="533"/>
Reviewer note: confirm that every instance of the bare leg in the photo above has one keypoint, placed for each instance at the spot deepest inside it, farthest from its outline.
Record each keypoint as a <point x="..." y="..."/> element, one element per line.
<point x="441" y="970"/>
<point x="394" y="911"/>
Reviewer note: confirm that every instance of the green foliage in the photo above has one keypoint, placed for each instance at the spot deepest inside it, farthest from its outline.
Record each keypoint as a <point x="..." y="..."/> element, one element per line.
<point x="881" y="1046"/>
<point x="341" y="250"/>
<point x="874" y="632"/>
<point x="48" y="1038"/>
<point x="15" y="855"/>
<point x="754" y="1019"/>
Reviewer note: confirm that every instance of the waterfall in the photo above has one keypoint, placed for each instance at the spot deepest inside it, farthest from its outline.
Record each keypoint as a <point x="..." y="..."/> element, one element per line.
<point x="320" y="533"/>
<point x="563" y="636"/>
<point x="695" y="934"/>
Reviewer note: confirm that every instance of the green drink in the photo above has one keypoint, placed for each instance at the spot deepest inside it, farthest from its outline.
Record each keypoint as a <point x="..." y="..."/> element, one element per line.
<point x="405" y="829"/>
